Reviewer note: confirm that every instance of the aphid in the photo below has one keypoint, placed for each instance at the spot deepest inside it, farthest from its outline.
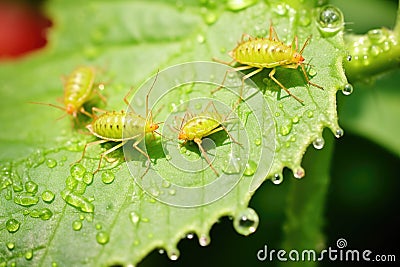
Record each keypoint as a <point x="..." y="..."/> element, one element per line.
<point x="268" y="53"/>
<point x="78" y="90"/>
<point x="200" y="126"/>
<point x="121" y="126"/>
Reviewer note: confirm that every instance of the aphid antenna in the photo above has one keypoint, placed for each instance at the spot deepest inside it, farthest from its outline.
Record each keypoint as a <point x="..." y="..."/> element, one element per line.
<point x="304" y="45"/>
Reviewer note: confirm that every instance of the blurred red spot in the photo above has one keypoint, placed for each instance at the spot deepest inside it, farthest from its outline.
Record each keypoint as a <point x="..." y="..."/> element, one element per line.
<point x="22" y="29"/>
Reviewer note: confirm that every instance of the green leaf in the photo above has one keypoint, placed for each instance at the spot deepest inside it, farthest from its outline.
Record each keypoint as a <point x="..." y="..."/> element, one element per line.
<point x="109" y="219"/>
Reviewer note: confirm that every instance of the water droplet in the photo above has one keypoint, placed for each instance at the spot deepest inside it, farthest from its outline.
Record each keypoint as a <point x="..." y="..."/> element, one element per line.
<point x="299" y="173"/>
<point x="91" y="52"/>
<point x="48" y="196"/>
<point x="98" y="226"/>
<point x="204" y="240"/>
<point x="107" y="177"/>
<point x="330" y="20"/>
<point x="376" y="36"/>
<point x="36" y="159"/>
<point x="310" y="114"/>
<point x="232" y="164"/>
<point x="257" y="141"/>
<point x="295" y="119"/>
<point x="10" y="245"/>
<point x="34" y="213"/>
<point x="210" y="17"/>
<point x="29" y="254"/>
<point x="339" y="133"/>
<point x="200" y="38"/>
<point x="45" y="214"/>
<point x="12" y="225"/>
<point x="31" y="187"/>
<point x="285" y="129"/>
<point x="80" y="188"/>
<point x="375" y="50"/>
<point x="161" y="251"/>
<point x="172" y="192"/>
<point x="134" y="217"/>
<point x="280" y="9"/>
<point x="349" y="57"/>
<point x="77" y="171"/>
<point x="54" y="264"/>
<point x="277" y="178"/>
<point x="277" y="114"/>
<point x="51" y="163"/>
<point x="304" y="19"/>
<point x="76" y="225"/>
<point x="251" y="168"/>
<point x="173" y="255"/>
<point x="77" y="201"/>
<point x="236" y="5"/>
<point x="88" y="178"/>
<point x="102" y="237"/>
<point x="26" y="200"/>
<point x="190" y="236"/>
<point x="319" y="142"/>
<point x="246" y="222"/>
<point x="183" y="150"/>
<point x="347" y="89"/>
<point x="168" y="157"/>
<point x="166" y="184"/>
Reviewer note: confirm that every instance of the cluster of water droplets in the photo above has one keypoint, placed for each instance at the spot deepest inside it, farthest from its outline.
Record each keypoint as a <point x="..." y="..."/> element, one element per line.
<point x="366" y="48"/>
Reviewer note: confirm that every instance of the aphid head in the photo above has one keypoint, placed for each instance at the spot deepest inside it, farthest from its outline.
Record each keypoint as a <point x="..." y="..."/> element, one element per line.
<point x="151" y="127"/>
<point x="298" y="58"/>
<point x="70" y="109"/>
<point x="182" y="135"/>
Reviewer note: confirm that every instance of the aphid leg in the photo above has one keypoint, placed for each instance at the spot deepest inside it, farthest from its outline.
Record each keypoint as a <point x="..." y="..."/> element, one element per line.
<point x="135" y="146"/>
<point x="126" y="100"/>
<point x="91" y="144"/>
<point x="271" y="75"/>
<point x="304" y="45"/>
<point x="240" y="68"/>
<point x="102" y="155"/>
<point x="203" y="152"/>
<point x="308" y="79"/>
<point x="83" y="111"/>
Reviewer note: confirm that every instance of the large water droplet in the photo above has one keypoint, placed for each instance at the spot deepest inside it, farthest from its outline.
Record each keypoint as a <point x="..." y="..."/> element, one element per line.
<point x="347" y="89"/>
<point x="246" y="222"/>
<point x="134" y="218"/>
<point x="251" y="168"/>
<point x="285" y="129"/>
<point x="88" y="178"/>
<point x="45" y="214"/>
<point x="12" y="225"/>
<point x="102" y="237"/>
<point x="77" y="171"/>
<point x="377" y="36"/>
<point x="29" y="254"/>
<point x="330" y="20"/>
<point x="51" y="163"/>
<point x="77" y="201"/>
<point x="204" y="240"/>
<point x="299" y="173"/>
<point x="232" y="164"/>
<point x="277" y="178"/>
<point x="48" y="196"/>
<point x="339" y="132"/>
<point x="319" y="142"/>
<point x="26" y="200"/>
<point x="31" y="187"/>
<point x="173" y="255"/>
<point x="107" y="177"/>
<point x="236" y="5"/>
<point x="76" y="225"/>
<point x="10" y="245"/>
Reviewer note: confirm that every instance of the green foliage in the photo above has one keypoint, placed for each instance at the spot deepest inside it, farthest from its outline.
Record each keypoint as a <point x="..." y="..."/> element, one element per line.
<point x="75" y="218"/>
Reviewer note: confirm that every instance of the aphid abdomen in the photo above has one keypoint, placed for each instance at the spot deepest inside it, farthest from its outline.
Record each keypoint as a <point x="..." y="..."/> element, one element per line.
<point x="263" y="53"/>
<point x="79" y="86"/>
<point x="199" y="127"/>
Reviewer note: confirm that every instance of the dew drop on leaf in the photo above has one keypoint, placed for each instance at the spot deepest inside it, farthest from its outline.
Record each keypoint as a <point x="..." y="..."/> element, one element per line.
<point x="277" y="178"/>
<point x="107" y="177"/>
<point x="26" y="200"/>
<point x="12" y="225"/>
<point x="246" y="222"/>
<point x="77" y="171"/>
<point x="190" y="236"/>
<point x="347" y="89"/>
<point x="76" y="225"/>
<point x="251" y="168"/>
<point x="319" y="142"/>
<point x="31" y="187"/>
<point x="134" y="218"/>
<point x="236" y="5"/>
<point x="51" y="163"/>
<point x="10" y="245"/>
<point x="46" y="214"/>
<point x="299" y="173"/>
<point x="29" y="254"/>
<point x="339" y="133"/>
<point x="173" y="255"/>
<point x="102" y="237"/>
<point x="204" y="240"/>
<point x="330" y="20"/>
